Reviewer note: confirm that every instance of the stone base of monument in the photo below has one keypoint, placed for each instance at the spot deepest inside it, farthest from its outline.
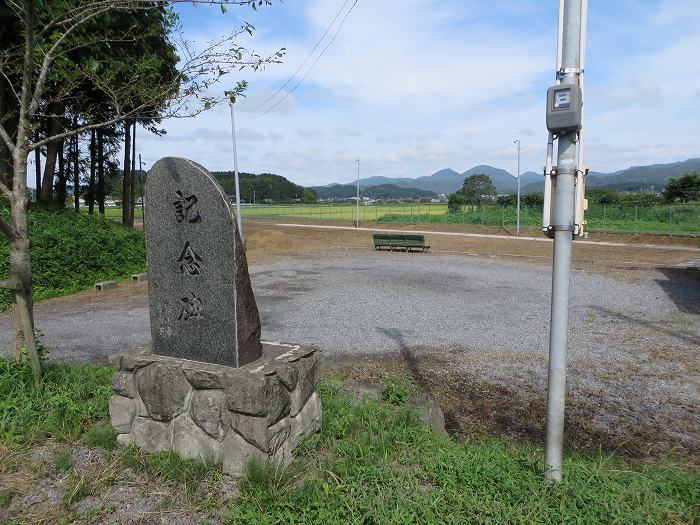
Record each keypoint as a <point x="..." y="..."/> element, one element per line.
<point x="217" y="413"/>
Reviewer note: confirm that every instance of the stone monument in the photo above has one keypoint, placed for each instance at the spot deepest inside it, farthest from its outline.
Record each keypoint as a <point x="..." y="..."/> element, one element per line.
<point x="207" y="387"/>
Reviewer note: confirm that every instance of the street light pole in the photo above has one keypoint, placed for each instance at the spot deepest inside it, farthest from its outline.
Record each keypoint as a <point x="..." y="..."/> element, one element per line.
<point x="357" y="201"/>
<point x="231" y="102"/>
<point x="517" y="226"/>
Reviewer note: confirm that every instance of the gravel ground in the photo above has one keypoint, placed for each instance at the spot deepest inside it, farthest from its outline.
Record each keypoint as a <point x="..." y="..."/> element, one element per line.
<point x="634" y="366"/>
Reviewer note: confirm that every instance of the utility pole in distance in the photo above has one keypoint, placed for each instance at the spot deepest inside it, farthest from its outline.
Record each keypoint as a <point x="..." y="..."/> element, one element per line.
<point x="564" y="121"/>
<point x="357" y="202"/>
<point x="517" y="222"/>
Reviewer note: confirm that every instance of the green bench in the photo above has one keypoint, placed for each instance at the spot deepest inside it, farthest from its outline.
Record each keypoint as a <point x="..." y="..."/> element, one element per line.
<point x="399" y="242"/>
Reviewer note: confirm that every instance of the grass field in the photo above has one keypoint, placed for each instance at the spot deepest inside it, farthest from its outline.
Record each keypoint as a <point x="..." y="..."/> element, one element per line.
<point x="373" y="462"/>
<point x="676" y="219"/>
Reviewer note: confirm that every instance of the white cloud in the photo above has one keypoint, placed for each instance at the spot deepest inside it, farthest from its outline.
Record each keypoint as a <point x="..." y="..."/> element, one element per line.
<point x="414" y="86"/>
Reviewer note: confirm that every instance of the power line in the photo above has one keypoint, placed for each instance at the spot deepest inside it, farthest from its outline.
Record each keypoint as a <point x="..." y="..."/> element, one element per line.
<point x="310" y="68"/>
<point x="302" y="64"/>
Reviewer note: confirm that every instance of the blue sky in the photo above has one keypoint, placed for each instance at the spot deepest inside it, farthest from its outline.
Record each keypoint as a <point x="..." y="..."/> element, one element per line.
<point x="414" y="86"/>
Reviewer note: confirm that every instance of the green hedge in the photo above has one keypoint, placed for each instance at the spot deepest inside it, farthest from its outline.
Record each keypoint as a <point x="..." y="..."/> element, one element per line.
<point x="72" y="251"/>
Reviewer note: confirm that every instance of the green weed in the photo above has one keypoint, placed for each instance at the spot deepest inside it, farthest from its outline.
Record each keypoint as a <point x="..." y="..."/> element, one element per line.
<point x="101" y="435"/>
<point x="63" y="461"/>
<point x="375" y="463"/>
<point x="396" y="390"/>
<point x="69" y="399"/>
<point x="170" y="466"/>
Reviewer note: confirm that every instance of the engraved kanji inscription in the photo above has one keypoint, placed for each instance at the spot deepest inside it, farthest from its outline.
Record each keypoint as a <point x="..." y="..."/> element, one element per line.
<point x="191" y="307"/>
<point x="190" y="261"/>
<point x="184" y="208"/>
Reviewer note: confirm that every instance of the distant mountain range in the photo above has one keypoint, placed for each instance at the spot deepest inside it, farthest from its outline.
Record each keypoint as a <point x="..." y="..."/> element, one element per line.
<point x="379" y="191"/>
<point x="449" y="180"/>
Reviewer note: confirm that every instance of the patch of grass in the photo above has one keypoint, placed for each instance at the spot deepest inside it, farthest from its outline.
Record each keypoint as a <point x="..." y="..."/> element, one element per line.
<point x="101" y="435"/>
<point x="396" y="390"/>
<point x="374" y="462"/>
<point x="69" y="400"/>
<point x="171" y="467"/>
<point x="6" y="495"/>
<point x="72" y="251"/>
<point x="76" y="488"/>
<point x="63" y="461"/>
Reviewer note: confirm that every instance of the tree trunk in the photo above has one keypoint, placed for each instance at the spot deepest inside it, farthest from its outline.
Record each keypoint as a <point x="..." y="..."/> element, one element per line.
<point x="126" y="182"/>
<point x="5" y="155"/>
<point x="76" y="172"/>
<point x="91" y="186"/>
<point x="37" y="167"/>
<point x="100" y="172"/>
<point x="62" y="176"/>
<point x="21" y="268"/>
<point x="47" y="184"/>
<point x="133" y="177"/>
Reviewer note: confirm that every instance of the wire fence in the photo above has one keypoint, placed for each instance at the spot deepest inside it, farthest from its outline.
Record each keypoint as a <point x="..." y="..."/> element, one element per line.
<point x="676" y="219"/>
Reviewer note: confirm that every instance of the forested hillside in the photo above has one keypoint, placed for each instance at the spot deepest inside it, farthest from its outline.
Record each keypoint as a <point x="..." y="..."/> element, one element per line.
<point x="264" y="187"/>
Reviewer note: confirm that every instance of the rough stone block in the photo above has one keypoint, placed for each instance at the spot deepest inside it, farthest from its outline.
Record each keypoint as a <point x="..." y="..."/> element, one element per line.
<point x="124" y="439"/>
<point x="204" y="378"/>
<point x="306" y="422"/>
<point x="190" y="441"/>
<point x="122" y="411"/>
<point x="206" y="408"/>
<point x="152" y="436"/>
<point x="309" y="375"/>
<point x="288" y="374"/>
<point x="258" y="394"/>
<point x="123" y="384"/>
<point x="256" y="431"/>
<point x="237" y="453"/>
<point x="163" y="389"/>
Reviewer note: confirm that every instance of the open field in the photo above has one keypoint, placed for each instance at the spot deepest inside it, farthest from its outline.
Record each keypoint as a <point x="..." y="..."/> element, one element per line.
<point x="674" y="220"/>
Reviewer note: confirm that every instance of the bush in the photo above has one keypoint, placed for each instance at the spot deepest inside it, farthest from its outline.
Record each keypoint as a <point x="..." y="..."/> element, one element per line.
<point x="72" y="251"/>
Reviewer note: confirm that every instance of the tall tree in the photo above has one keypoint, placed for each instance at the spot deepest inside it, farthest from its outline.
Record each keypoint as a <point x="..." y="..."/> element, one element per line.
<point x="478" y="189"/>
<point x="36" y="59"/>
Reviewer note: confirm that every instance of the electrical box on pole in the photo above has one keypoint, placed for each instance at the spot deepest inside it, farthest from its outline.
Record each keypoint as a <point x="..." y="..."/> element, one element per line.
<point x="564" y="108"/>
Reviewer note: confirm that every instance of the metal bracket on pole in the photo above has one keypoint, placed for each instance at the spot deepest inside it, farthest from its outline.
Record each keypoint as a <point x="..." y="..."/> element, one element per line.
<point x="569" y="72"/>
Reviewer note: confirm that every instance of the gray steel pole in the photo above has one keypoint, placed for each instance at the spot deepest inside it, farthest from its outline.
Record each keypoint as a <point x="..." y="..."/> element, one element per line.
<point x="357" y="202"/>
<point x="517" y="225"/>
<point x="143" y="212"/>
<point x="235" y="172"/>
<point x="561" y="268"/>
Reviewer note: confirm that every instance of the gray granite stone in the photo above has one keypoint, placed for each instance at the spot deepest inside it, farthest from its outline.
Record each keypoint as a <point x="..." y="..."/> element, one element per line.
<point x="237" y="453"/>
<point x="306" y="422"/>
<point x="163" y="389"/>
<point x="201" y="301"/>
<point x="123" y="384"/>
<point x="122" y="411"/>
<point x="258" y="394"/>
<point x="152" y="436"/>
<point x="206" y="407"/>
<point x="190" y="441"/>
<point x="309" y="375"/>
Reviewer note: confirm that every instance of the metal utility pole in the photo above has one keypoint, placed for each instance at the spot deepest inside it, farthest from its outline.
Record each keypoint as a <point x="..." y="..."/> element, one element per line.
<point x="572" y="15"/>
<point x="143" y="213"/>
<point x="517" y="223"/>
<point x="231" y="102"/>
<point x="357" y="202"/>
